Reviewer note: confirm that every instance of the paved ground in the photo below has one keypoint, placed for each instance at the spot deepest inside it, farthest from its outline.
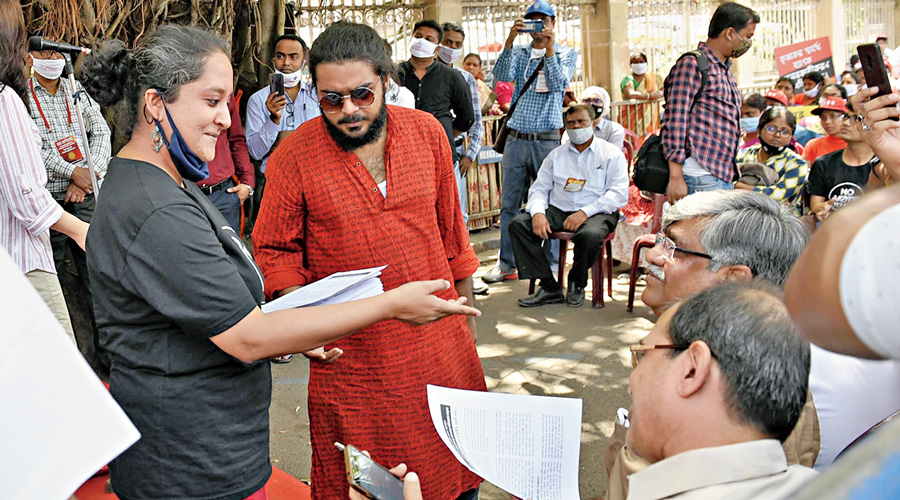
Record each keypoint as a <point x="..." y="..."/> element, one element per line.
<point x="552" y="350"/>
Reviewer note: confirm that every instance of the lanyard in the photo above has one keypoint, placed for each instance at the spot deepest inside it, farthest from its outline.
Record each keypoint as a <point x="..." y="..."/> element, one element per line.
<point x="41" y="111"/>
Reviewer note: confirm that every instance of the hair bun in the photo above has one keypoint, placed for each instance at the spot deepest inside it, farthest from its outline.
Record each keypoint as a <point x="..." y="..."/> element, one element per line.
<point x="105" y="72"/>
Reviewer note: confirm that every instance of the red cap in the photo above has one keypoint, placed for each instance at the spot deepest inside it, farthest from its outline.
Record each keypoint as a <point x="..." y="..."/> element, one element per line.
<point x="833" y="104"/>
<point x="777" y="95"/>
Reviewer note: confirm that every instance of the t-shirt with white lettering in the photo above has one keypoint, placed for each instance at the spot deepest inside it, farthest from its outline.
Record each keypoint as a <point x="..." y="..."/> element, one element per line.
<point x="831" y="178"/>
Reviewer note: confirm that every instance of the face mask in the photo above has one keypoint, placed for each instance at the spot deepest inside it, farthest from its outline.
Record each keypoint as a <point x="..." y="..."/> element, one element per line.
<point x="750" y="124"/>
<point x="580" y="135"/>
<point x="421" y="48"/>
<point x="851" y="88"/>
<point x="770" y="149"/>
<point x="188" y="164"/>
<point x="538" y="53"/>
<point x="812" y="93"/>
<point x="742" y="48"/>
<point x="50" y="69"/>
<point x="449" y="55"/>
<point x="292" y="79"/>
<point x="639" y="68"/>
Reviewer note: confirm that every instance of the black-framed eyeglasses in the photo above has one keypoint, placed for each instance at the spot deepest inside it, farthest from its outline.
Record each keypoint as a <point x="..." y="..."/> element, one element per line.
<point x="638" y="351"/>
<point x="670" y="247"/>
<point x="49" y="54"/>
<point x="361" y="97"/>
<point x="772" y="129"/>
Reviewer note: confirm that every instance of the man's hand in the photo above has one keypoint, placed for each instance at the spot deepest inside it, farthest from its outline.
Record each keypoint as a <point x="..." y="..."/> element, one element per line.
<point x="549" y="38"/>
<point x="275" y="103"/>
<point x="81" y="176"/>
<point x="285" y="291"/>
<point x="517" y="26"/>
<point x="412" y="490"/>
<point x="883" y="135"/>
<point x="677" y="188"/>
<point x="464" y="164"/>
<point x="574" y="221"/>
<point x="320" y="355"/>
<point x="541" y="226"/>
<point x="74" y="194"/>
<point x="242" y="190"/>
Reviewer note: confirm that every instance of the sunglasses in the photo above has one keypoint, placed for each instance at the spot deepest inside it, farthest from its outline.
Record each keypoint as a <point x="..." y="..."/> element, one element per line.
<point x="361" y="97"/>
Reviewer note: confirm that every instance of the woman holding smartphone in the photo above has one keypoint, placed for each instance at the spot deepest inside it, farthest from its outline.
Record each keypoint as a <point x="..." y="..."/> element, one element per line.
<point x="176" y="292"/>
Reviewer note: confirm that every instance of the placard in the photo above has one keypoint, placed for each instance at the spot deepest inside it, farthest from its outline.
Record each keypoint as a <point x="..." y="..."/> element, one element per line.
<point x="798" y="59"/>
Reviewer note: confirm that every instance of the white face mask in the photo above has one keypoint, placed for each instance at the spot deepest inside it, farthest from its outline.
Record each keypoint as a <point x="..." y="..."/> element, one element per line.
<point x="851" y="88"/>
<point x="639" y="68"/>
<point x="537" y="53"/>
<point x="291" y="80"/>
<point x="449" y="55"/>
<point x="812" y="92"/>
<point x="50" y="69"/>
<point x="421" y="48"/>
<point x="580" y="135"/>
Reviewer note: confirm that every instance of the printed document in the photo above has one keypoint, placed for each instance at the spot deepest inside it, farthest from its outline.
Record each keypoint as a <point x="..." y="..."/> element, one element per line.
<point x="335" y="289"/>
<point x="526" y="445"/>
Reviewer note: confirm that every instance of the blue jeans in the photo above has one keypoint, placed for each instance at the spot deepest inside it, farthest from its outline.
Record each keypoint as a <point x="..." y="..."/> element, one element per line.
<point x="521" y="161"/>
<point x="462" y="187"/>
<point x="705" y="183"/>
<point x="229" y="204"/>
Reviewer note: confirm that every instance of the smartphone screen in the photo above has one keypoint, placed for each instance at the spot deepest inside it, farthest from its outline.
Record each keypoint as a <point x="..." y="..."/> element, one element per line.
<point x="277" y="84"/>
<point x="372" y="479"/>
<point x="872" y="61"/>
<point x="533" y="26"/>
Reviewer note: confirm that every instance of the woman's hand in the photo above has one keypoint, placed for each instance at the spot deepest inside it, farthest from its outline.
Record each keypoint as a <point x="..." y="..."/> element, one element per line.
<point x="413" y="303"/>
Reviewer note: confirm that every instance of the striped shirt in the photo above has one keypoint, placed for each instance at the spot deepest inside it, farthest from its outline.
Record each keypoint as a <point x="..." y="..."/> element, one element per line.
<point x="476" y="131"/>
<point x="55" y="119"/>
<point x="537" y="111"/>
<point x="26" y="208"/>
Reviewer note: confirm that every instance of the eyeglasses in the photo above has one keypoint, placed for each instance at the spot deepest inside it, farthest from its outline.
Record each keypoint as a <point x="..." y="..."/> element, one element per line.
<point x="669" y="247"/>
<point x="361" y="97"/>
<point x="779" y="131"/>
<point x="638" y="351"/>
<point x="49" y="54"/>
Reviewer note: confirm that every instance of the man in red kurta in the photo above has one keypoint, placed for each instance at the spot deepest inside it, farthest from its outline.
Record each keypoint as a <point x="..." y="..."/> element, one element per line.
<point x="367" y="185"/>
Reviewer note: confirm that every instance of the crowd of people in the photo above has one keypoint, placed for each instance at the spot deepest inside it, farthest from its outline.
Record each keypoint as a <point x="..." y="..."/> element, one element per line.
<point x="364" y="161"/>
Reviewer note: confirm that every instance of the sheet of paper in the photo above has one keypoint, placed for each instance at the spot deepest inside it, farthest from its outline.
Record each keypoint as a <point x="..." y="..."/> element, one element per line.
<point x="329" y="290"/>
<point x="526" y="445"/>
<point x="59" y="425"/>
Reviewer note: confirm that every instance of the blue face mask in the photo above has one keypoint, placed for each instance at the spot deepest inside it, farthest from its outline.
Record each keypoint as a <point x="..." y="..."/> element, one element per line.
<point x="188" y="164"/>
<point x="750" y="124"/>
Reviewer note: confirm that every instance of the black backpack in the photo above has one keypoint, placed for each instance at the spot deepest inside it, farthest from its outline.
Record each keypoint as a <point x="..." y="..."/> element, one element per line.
<point x="651" y="170"/>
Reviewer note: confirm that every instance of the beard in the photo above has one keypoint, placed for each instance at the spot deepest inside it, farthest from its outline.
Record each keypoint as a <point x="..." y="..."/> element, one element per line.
<point x="350" y="143"/>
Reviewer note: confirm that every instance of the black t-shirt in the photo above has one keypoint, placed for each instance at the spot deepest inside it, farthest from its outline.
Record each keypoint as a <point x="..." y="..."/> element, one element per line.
<point x="168" y="273"/>
<point x="831" y="178"/>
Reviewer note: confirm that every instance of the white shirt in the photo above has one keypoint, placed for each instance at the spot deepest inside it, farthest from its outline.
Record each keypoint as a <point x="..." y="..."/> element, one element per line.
<point x="607" y="130"/>
<point x="59" y="425"/>
<point x="400" y="96"/>
<point x="851" y="395"/>
<point x="593" y="181"/>
<point x="262" y="132"/>
<point x="754" y="470"/>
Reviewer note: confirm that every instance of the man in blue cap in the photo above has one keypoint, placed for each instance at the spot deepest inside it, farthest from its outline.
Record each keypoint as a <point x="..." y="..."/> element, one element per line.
<point x="534" y="125"/>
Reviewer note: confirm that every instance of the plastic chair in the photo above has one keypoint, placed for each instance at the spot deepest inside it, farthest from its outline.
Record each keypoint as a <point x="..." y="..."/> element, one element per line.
<point x="644" y="241"/>
<point x="597" y="270"/>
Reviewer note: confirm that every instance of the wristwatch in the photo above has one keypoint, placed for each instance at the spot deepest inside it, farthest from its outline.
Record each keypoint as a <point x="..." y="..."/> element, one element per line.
<point x="250" y="188"/>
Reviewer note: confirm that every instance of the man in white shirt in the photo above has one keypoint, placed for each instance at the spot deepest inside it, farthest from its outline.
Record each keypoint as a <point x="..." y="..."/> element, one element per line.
<point x="272" y="117"/>
<point x="579" y="188"/>
<point x="717" y="385"/>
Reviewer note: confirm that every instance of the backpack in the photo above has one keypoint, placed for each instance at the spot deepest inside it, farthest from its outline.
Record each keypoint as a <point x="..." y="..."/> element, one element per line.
<point x="651" y="169"/>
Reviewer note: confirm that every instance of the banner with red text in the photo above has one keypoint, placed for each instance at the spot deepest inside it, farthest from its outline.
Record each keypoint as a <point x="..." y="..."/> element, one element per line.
<point x="798" y="59"/>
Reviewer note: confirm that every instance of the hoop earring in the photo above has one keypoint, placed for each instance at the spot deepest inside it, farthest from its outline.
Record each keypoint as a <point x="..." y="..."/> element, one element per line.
<point x="157" y="139"/>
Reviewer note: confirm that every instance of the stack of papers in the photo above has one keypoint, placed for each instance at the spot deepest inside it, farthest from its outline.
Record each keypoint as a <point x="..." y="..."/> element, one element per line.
<point x="335" y="289"/>
<point x="526" y="445"/>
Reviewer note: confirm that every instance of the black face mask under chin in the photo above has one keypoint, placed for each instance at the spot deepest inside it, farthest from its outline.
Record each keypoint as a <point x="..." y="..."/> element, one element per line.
<point x="770" y="149"/>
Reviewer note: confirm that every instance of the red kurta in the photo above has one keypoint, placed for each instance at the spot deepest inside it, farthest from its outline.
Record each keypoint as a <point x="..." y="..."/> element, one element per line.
<point x="323" y="213"/>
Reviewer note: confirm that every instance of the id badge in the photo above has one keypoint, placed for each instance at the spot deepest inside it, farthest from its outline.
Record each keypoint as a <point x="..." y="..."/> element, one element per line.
<point x="540" y="85"/>
<point x="68" y="149"/>
<point x="574" y="185"/>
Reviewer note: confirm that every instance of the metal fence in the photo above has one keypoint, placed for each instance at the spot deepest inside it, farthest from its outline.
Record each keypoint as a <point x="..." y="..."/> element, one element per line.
<point x="783" y="22"/>
<point x="867" y="19"/>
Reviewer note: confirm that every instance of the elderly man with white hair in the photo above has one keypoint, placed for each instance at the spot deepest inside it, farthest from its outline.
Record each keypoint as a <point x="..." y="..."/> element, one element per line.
<point x="604" y="128"/>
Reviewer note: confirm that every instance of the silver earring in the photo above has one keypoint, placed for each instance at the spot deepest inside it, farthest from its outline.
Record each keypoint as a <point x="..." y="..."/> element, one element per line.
<point x="157" y="139"/>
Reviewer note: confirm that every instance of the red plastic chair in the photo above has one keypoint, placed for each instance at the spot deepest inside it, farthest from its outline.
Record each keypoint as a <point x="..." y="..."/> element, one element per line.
<point x="644" y="241"/>
<point x="597" y="270"/>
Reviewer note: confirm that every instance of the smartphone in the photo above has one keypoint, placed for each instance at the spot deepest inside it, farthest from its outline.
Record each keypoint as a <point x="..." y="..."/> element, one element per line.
<point x="873" y="67"/>
<point x="277" y="84"/>
<point x="368" y="477"/>
<point x="533" y="26"/>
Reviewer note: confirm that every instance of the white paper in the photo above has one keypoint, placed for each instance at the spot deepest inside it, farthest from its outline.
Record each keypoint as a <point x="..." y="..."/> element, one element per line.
<point x="526" y="445"/>
<point x="58" y="425"/>
<point x="334" y="289"/>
